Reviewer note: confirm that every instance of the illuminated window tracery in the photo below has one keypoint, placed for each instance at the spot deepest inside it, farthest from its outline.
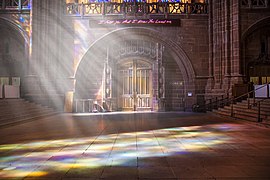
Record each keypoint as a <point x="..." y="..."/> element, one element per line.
<point x="146" y="1"/>
<point x="111" y="7"/>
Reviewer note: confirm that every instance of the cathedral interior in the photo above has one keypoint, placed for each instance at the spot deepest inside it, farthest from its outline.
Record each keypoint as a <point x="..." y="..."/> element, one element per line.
<point x="134" y="89"/>
<point x="132" y="55"/>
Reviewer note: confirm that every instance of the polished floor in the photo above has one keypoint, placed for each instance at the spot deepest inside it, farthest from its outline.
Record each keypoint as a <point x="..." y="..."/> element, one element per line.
<point x="135" y="146"/>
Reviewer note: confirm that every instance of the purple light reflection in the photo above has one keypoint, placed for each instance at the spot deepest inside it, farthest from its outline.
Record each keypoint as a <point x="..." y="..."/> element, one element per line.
<point x="35" y="158"/>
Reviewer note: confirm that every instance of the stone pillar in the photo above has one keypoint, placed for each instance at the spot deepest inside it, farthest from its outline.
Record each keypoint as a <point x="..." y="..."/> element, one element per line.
<point x="69" y="95"/>
<point x="224" y="59"/>
<point x="210" y="81"/>
<point x="155" y="86"/>
<point x="52" y="53"/>
<point x="160" y="80"/>
<point x="236" y="76"/>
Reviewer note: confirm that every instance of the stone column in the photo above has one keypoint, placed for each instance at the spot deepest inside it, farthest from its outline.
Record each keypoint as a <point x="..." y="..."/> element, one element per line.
<point x="52" y="53"/>
<point x="236" y="76"/>
<point x="159" y="82"/>
<point x="224" y="44"/>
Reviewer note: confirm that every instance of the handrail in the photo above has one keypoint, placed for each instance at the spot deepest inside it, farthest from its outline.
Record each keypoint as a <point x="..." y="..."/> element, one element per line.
<point x="228" y="101"/>
<point x="217" y="100"/>
<point x="232" y="100"/>
<point x="258" y="104"/>
<point x="92" y="105"/>
<point x="251" y="91"/>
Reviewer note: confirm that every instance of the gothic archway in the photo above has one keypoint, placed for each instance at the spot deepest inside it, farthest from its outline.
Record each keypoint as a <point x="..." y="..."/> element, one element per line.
<point x="172" y="71"/>
<point x="14" y="48"/>
<point x="256" y="51"/>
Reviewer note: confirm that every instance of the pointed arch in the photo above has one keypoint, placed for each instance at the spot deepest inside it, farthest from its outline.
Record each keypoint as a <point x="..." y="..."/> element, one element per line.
<point x="175" y="50"/>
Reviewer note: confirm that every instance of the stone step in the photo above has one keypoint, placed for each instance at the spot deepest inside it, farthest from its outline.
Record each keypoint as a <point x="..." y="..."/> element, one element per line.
<point x="26" y="115"/>
<point x="262" y="101"/>
<point x="241" y="111"/>
<point x="248" y="114"/>
<point x="21" y="113"/>
<point x="225" y="109"/>
<point x="245" y="107"/>
<point x="223" y="113"/>
<point x="254" y="110"/>
<point x="266" y="121"/>
<point x="239" y="116"/>
<point x="14" y="109"/>
<point x="244" y="117"/>
<point x="13" y="102"/>
<point x="263" y="110"/>
<point x="26" y="119"/>
<point x="18" y="110"/>
<point x="267" y="105"/>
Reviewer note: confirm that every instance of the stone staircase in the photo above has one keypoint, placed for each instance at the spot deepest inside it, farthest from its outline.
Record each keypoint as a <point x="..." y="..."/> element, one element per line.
<point x="241" y="111"/>
<point x="14" y="111"/>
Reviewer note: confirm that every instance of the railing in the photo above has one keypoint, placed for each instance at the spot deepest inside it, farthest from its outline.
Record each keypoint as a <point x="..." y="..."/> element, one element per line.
<point x="217" y="102"/>
<point x="212" y="103"/>
<point x="230" y="101"/>
<point x="92" y="106"/>
<point x="249" y="104"/>
<point x="258" y="104"/>
<point x="137" y="8"/>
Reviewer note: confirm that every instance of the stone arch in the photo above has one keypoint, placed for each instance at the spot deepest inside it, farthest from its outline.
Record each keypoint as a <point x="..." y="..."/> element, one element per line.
<point x="251" y="37"/>
<point x="17" y="28"/>
<point x="177" y="52"/>
<point x="253" y="27"/>
<point x="17" y="43"/>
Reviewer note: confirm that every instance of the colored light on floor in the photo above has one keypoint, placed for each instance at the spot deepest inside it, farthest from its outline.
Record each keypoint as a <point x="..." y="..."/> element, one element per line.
<point x="61" y="155"/>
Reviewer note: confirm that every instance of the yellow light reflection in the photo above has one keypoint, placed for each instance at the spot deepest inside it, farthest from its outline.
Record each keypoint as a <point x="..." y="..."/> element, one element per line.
<point x="36" y="159"/>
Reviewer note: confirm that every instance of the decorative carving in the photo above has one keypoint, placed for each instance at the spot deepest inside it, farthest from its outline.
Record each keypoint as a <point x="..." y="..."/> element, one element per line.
<point x="107" y="78"/>
<point x="93" y="8"/>
<point x="134" y="48"/>
<point x="15" y="4"/>
<point x="161" y="71"/>
<point x="135" y="8"/>
<point x="254" y="4"/>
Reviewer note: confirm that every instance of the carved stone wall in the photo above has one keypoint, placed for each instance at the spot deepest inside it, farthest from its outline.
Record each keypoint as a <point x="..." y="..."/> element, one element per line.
<point x="224" y="52"/>
<point x="205" y="47"/>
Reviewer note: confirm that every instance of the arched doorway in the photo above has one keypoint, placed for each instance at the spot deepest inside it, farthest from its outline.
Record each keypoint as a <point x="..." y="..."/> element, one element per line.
<point x="121" y="77"/>
<point x="135" y="85"/>
<point x="132" y="69"/>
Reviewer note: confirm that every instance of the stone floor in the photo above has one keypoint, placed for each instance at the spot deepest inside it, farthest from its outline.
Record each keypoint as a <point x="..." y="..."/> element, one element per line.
<point x="135" y="146"/>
